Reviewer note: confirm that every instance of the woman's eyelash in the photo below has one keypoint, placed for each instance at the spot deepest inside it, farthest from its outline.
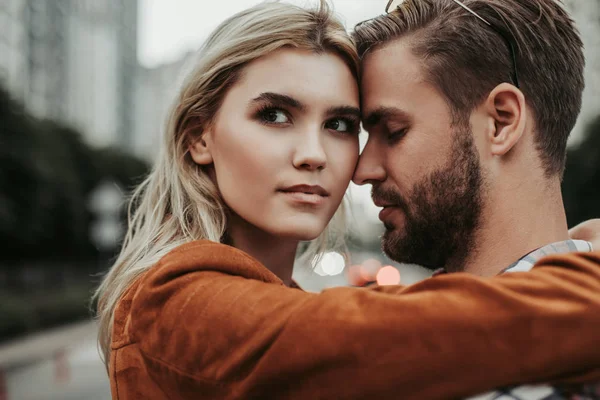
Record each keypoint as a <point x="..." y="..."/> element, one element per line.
<point x="264" y="108"/>
<point x="263" y="111"/>
<point x="262" y="114"/>
<point x="355" y="123"/>
<point x="352" y="123"/>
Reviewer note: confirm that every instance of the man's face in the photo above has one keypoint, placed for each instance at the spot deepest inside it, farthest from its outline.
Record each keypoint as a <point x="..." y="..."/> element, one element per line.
<point x="425" y="171"/>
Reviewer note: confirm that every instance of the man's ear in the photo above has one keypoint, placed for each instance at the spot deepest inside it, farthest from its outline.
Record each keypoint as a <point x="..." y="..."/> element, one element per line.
<point x="200" y="149"/>
<point x="506" y="104"/>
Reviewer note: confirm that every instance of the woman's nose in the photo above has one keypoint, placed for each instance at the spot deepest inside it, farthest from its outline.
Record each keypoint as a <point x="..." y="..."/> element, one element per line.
<point x="310" y="153"/>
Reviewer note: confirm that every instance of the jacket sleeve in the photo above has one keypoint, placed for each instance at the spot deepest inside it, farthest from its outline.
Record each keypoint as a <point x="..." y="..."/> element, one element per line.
<point x="218" y="335"/>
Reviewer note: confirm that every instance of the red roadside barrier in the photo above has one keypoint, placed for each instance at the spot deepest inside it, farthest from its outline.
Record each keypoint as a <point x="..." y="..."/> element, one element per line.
<point x="3" y="390"/>
<point x="62" y="373"/>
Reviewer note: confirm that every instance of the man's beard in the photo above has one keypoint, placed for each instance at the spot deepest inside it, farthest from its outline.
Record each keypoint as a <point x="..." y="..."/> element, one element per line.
<point x="441" y="213"/>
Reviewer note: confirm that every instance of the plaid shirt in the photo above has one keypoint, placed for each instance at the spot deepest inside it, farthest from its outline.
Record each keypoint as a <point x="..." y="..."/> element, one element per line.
<point x="545" y="392"/>
<point x="527" y="262"/>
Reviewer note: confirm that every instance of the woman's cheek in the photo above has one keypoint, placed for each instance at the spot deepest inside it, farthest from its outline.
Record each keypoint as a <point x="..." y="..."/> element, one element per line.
<point x="344" y="165"/>
<point x="347" y="157"/>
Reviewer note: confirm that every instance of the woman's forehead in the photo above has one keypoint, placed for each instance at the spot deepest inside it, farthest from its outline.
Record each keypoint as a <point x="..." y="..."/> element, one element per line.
<point x="303" y="75"/>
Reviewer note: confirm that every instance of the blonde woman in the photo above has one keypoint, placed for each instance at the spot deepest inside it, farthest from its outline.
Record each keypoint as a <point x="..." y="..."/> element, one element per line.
<point x="259" y="150"/>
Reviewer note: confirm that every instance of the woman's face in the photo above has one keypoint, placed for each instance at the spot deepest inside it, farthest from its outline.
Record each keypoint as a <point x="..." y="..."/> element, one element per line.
<point x="284" y="144"/>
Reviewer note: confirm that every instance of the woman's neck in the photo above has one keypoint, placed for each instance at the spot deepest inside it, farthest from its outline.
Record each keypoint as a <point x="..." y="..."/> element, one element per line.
<point x="275" y="253"/>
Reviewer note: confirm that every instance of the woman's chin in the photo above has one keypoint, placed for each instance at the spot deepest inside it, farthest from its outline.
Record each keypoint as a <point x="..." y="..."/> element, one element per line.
<point x="301" y="233"/>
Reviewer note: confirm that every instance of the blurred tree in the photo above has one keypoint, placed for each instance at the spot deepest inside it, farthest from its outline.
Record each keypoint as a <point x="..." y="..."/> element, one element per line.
<point x="581" y="183"/>
<point x="19" y="183"/>
<point x="46" y="175"/>
<point x="119" y="166"/>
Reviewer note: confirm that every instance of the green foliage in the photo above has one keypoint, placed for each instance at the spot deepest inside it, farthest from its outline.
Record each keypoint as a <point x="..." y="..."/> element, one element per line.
<point x="581" y="183"/>
<point x="26" y="312"/>
<point x="46" y="175"/>
<point x="120" y="167"/>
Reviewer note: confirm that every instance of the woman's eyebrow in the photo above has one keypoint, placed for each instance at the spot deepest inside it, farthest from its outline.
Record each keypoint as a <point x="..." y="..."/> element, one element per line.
<point x="278" y="98"/>
<point x="283" y="99"/>
<point x="343" y="110"/>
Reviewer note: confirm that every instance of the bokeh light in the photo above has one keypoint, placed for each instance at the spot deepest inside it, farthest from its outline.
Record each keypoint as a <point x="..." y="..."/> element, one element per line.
<point x="354" y="274"/>
<point x="331" y="263"/>
<point x="388" y="275"/>
<point x="369" y="269"/>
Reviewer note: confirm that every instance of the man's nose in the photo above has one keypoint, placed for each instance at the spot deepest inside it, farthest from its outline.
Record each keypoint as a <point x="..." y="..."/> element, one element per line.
<point x="370" y="167"/>
<point x="309" y="153"/>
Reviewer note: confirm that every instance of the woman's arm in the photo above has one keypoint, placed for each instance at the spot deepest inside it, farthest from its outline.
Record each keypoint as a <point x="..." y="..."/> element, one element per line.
<point x="446" y="337"/>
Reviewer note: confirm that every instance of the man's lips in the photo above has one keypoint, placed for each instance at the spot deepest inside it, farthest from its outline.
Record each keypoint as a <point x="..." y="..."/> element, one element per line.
<point x="386" y="212"/>
<point x="388" y="201"/>
<point x="381" y="203"/>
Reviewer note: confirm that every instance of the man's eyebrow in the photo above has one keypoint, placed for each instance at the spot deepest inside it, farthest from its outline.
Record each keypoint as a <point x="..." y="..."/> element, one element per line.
<point x="343" y="110"/>
<point x="382" y="114"/>
<point x="279" y="99"/>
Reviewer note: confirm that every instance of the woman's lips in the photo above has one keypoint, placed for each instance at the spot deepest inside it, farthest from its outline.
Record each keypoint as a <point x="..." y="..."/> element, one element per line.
<point x="305" y="194"/>
<point x="304" y="198"/>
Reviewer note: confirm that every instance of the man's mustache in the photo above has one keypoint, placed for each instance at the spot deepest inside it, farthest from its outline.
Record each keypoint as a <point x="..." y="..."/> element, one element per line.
<point x="382" y="195"/>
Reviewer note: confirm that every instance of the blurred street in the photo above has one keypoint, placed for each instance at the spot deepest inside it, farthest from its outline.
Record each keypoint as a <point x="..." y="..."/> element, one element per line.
<point x="62" y="364"/>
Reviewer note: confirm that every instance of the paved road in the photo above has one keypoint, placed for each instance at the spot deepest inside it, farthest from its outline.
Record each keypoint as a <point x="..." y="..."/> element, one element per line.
<point x="63" y="364"/>
<point x="73" y="370"/>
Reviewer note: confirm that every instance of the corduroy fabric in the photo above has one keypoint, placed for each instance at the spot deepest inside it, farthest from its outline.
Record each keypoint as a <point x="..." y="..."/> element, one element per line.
<point x="210" y="322"/>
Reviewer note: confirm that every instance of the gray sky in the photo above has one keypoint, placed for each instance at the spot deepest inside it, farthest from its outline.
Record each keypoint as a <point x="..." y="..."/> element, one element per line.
<point x="169" y="28"/>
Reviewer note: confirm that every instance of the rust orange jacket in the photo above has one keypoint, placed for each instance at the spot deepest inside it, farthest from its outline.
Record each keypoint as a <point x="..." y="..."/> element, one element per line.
<point x="210" y="322"/>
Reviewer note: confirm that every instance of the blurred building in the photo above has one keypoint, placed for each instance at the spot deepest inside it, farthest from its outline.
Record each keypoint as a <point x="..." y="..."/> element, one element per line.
<point x="73" y="61"/>
<point x="155" y="87"/>
<point x="155" y="90"/>
<point x="587" y="17"/>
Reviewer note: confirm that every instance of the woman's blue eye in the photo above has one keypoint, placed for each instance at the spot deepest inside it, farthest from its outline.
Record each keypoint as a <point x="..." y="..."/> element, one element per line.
<point x="275" y="116"/>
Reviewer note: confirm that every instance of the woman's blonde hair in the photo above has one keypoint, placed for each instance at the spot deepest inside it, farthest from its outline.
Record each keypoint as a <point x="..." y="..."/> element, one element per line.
<point x="177" y="202"/>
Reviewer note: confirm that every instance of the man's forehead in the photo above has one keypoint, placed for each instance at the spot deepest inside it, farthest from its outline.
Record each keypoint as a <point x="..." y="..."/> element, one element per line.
<point x="388" y="69"/>
<point x="391" y="76"/>
<point x="394" y="55"/>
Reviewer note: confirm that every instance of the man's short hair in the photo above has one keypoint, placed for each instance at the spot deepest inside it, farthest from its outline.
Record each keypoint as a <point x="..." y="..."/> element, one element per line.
<point x="465" y="59"/>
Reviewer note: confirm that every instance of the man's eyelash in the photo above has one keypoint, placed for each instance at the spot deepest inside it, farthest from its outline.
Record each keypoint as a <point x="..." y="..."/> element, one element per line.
<point x="397" y="135"/>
